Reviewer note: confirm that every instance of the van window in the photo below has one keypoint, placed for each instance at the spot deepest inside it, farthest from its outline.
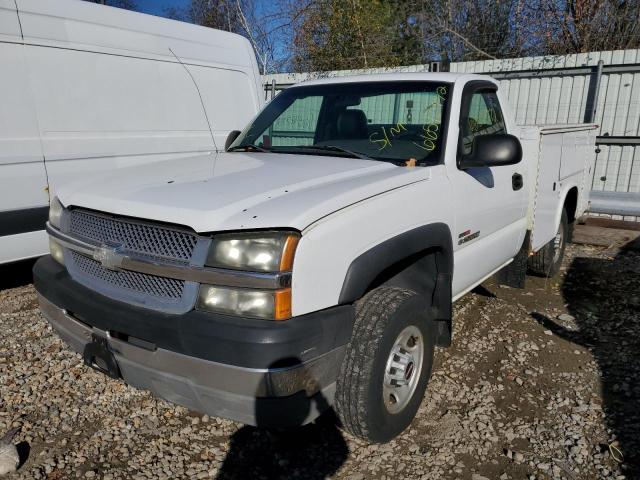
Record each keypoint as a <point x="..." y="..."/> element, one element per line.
<point x="483" y="118"/>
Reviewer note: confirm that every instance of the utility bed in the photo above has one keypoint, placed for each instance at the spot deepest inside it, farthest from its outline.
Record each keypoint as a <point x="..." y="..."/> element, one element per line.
<point x="559" y="154"/>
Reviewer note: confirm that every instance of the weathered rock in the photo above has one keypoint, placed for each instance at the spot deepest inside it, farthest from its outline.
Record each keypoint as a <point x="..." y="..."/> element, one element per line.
<point x="9" y="458"/>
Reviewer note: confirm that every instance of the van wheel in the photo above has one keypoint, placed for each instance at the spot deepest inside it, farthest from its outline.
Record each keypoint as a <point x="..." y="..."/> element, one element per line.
<point x="548" y="260"/>
<point x="387" y="364"/>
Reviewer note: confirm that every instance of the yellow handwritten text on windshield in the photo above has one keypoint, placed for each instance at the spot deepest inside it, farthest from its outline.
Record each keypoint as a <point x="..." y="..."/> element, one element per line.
<point x="387" y="136"/>
<point x="430" y="131"/>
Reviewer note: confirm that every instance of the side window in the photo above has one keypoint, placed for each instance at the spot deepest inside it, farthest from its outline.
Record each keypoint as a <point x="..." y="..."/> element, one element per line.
<point x="483" y="118"/>
<point x="296" y="125"/>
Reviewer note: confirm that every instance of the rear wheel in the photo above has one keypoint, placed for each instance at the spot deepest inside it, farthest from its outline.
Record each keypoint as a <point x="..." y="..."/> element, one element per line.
<point x="387" y="365"/>
<point x="548" y="260"/>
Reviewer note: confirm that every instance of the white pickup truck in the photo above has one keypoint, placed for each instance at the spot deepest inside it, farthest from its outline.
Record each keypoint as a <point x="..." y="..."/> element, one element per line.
<point x="315" y="262"/>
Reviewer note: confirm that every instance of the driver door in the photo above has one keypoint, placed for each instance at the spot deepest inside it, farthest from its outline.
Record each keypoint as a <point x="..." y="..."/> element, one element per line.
<point x="490" y="202"/>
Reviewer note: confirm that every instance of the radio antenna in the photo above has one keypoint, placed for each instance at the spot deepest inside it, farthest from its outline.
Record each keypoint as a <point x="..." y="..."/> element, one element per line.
<point x="200" y="95"/>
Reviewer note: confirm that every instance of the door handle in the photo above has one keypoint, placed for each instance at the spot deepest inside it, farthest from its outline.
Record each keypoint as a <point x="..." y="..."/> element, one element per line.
<point x="516" y="181"/>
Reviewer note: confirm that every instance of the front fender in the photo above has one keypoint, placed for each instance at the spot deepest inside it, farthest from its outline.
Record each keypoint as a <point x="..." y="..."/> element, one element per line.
<point x="369" y="265"/>
<point x="328" y="248"/>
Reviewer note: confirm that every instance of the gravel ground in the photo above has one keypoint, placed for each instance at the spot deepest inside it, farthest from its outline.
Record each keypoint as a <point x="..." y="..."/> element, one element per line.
<point x="540" y="383"/>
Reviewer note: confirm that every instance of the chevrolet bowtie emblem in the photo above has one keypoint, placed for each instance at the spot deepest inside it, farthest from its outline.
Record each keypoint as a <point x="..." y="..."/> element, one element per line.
<point x="109" y="257"/>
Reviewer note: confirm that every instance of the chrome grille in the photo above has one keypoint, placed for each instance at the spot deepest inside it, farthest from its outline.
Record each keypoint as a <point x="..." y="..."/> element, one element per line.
<point x="159" y="287"/>
<point x="135" y="237"/>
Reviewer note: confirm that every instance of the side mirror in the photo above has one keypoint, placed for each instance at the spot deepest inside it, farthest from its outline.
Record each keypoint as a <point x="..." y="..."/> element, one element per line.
<point x="233" y="134"/>
<point x="492" y="151"/>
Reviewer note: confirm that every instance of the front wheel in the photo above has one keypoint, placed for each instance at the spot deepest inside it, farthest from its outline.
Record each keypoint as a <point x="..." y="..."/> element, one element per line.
<point x="548" y="260"/>
<point x="387" y="364"/>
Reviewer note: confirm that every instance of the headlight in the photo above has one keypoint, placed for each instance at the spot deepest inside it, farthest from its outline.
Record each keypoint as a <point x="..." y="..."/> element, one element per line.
<point x="55" y="212"/>
<point x="251" y="252"/>
<point x="256" y="251"/>
<point x="56" y="251"/>
<point x="268" y="304"/>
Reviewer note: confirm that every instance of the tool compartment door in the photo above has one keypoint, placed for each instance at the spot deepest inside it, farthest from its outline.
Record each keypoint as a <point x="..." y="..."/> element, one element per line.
<point x="566" y="153"/>
<point x="547" y="193"/>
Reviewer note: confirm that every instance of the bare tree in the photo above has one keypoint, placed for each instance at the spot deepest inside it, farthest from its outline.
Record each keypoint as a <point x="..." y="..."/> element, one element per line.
<point x="471" y="29"/>
<point x="264" y="32"/>
<point x="321" y="35"/>
<point x="333" y="34"/>
<point x="219" y="14"/>
<point x="239" y="16"/>
<point x="336" y="34"/>
<point x="575" y="26"/>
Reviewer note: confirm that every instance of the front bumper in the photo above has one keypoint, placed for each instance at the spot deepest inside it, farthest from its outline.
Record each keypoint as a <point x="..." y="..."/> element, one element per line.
<point x="257" y="372"/>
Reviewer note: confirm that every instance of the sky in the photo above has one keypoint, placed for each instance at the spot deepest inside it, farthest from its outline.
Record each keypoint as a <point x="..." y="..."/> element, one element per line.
<point x="157" y="7"/>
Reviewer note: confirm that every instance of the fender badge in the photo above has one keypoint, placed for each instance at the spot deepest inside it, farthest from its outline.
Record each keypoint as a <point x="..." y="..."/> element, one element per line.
<point x="109" y="257"/>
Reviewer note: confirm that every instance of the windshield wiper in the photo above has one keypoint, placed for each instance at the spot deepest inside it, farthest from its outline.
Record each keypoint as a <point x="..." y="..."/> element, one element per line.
<point x="248" y="147"/>
<point x="334" y="148"/>
<point x="329" y="148"/>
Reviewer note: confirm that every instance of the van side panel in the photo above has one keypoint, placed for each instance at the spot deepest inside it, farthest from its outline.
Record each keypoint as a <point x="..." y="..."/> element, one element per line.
<point x="9" y="25"/>
<point x="96" y="105"/>
<point x="113" y="30"/>
<point x="115" y="89"/>
<point x="23" y="182"/>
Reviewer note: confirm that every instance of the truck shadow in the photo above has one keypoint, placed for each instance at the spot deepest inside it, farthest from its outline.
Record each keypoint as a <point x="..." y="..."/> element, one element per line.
<point x="313" y="451"/>
<point x="603" y="295"/>
<point x="16" y="274"/>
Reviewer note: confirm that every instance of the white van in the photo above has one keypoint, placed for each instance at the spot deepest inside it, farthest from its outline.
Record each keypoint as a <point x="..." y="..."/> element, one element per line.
<point x="86" y="89"/>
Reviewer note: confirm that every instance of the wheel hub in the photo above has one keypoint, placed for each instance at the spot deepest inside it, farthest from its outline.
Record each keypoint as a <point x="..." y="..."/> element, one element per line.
<point x="402" y="372"/>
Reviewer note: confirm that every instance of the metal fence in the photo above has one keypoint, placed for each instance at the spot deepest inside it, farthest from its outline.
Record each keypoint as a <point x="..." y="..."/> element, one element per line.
<point x="599" y="87"/>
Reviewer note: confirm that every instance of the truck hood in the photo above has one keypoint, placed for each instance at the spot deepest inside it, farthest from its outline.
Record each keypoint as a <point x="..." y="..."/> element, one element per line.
<point x="235" y="191"/>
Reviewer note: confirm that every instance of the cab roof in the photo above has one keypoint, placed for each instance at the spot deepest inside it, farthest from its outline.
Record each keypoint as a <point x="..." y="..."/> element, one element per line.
<point x="398" y="76"/>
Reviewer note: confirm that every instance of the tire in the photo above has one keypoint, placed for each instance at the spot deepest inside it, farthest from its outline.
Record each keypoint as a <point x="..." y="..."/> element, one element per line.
<point x="382" y="316"/>
<point x="548" y="260"/>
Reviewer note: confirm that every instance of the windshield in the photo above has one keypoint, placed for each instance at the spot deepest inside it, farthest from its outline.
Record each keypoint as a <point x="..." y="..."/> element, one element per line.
<point x="398" y="122"/>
